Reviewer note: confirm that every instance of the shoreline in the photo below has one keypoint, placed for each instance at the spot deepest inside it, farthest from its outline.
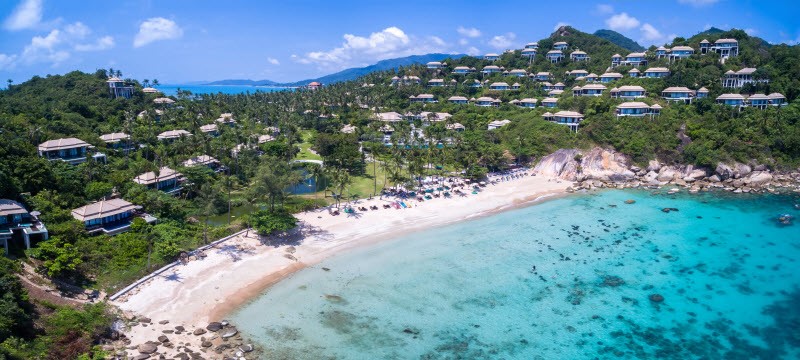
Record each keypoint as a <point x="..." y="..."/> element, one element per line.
<point x="240" y="269"/>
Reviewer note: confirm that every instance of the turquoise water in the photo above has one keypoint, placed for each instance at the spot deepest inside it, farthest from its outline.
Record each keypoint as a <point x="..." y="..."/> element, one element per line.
<point x="728" y="275"/>
<point x="214" y="89"/>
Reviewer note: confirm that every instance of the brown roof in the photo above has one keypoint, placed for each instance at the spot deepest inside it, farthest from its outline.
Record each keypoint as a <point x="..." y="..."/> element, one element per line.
<point x="150" y="177"/>
<point x="632" y="105"/>
<point x="61" y="144"/>
<point x="172" y="134"/>
<point x="114" y="137"/>
<point x="200" y="160"/>
<point x="102" y="209"/>
<point x="11" y="207"/>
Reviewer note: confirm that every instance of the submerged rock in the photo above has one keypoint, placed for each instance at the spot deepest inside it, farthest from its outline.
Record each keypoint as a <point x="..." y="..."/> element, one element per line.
<point x="630" y="201"/>
<point x="613" y="281"/>
<point x="656" y="298"/>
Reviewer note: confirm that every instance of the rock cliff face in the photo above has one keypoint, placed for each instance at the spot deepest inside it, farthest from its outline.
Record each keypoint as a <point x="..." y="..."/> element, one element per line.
<point x="600" y="167"/>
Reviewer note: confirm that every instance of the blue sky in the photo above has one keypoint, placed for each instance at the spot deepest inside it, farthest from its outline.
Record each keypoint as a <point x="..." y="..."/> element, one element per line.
<point x="183" y="40"/>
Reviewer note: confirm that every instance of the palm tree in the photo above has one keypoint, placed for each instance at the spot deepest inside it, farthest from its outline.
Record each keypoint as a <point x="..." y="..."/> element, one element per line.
<point x="205" y="200"/>
<point x="145" y="83"/>
<point x="317" y="173"/>
<point x="155" y="82"/>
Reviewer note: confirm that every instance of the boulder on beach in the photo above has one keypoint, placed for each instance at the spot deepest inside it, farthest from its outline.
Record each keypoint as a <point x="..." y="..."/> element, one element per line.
<point x="147" y="348"/>
<point x="199" y="331"/>
<point x="229" y="333"/>
<point x="214" y="326"/>
<point x="163" y="339"/>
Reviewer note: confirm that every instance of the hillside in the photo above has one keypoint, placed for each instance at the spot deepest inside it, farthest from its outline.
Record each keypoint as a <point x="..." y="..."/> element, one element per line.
<point x="347" y="74"/>
<point x="619" y="39"/>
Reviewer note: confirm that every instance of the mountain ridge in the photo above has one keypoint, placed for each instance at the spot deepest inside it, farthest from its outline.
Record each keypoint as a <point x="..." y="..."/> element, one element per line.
<point x="619" y="39"/>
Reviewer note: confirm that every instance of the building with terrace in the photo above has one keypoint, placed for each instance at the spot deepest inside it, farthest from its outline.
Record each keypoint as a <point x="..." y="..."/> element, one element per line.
<point x="110" y="217"/>
<point x="172" y="135"/>
<point x="725" y="48"/>
<point x="737" y="79"/>
<point x="486" y="101"/>
<point x="680" y="52"/>
<point x="577" y="73"/>
<point x="589" y="90"/>
<point x="210" y="129"/>
<point x="118" y="141"/>
<point x="491" y="69"/>
<point x="118" y="89"/>
<point x="661" y="52"/>
<point x="777" y="99"/>
<point x="678" y="94"/>
<point x="518" y="73"/>
<point x="609" y="77"/>
<point x="529" y="52"/>
<point x="491" y="57"/>
<point x="616" y="60"/>
<point x="391" y="116"/>
<point x="528" y="103"/>
<point x="542" y="76"/>
<point x="204" y="160"/>
<point x="578" y="55"/>
<point x="435" y="82"/>
<point x="550" y="102"/>
<point x="17" y="224"/>
<point x="167" y="180"/>
<point x="554" y="56"/>
<point x="732" y="99"/>
<point x="634" y="73"/>
<point x="455" y="127"/>
<point x="635" y="59"/>
<point x="560" y="45"/>
<point x="499" y="86"/>
<point x="458" y="100"/>
<point x="568" y="118"/>
<point x="531" y="45"/>
<point x="656" y="72"/>
<point x="435" y="65"/>
<point x="634" y="108"/>
<point x="463" y="70"/>
<point x="70" y="150"/>
<point x="498" y="124"/>
<point x="628" y="92"/>
<point x="702" y="93"/>
<point x="423" y="98"/>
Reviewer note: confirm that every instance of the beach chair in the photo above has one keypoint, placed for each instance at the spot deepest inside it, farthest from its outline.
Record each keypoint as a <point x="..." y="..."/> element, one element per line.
<point x="403" y="205"/>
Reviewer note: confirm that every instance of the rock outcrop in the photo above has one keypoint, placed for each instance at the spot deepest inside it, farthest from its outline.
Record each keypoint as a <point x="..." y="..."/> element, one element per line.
<point x="596" y="164"/>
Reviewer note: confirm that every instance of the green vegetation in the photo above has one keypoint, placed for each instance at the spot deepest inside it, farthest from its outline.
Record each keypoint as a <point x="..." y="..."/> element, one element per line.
<point x="258" y="170"/>
<point x="619" y="39"/>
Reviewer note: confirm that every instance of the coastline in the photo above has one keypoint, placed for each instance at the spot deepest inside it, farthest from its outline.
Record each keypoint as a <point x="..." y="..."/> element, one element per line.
<point x="241" y="268"/>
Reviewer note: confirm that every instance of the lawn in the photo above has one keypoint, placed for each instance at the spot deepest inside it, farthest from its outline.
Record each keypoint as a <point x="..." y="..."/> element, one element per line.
<point x="305" y="147"/>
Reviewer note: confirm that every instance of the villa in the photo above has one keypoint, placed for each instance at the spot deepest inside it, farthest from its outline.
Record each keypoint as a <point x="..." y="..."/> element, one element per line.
<point x="118" y="88"/>
<point x="633" y="109"/>
<point x="559" y="86"/>
<point x="263" y="139"/>
<point x="702" y="93"/>
<point x="777" y="99"/>
<point x="546" y="86"/>
<point x="391" y="116"/>
<point x="314" y="85"/>
<point x="635" y="60"/>
<point x="474" y="83"/>
<point x="675" y="93"/>
<point x="734" y="99"/>
<point x="423" y="98"/>
<point x="616" y="60"/>
<point x="458" y="100"/>
<point x="516" y="86"/>
<point x="628" y="92"/>
<point x="435" y="82"/>
<point x="680" y="52"/>
<point x="661" y="52"/>
<point x="491" y="57"/>
<point x="210" y="129"/>
<point x="486" y="101"/>
<point x="554" y="56"/>
<point x="542" y="76"/>
<point x="203" y="160"/>
<point x="560" y="45"/>
<point x="109" y="217"/>
<point x="634" y="73"/>
<point x="555" y="92"/>
<point x="656" y="72"/>
<point x="569" y="118"/>
<point x="158" y="112"/>
<point x="435" y="65"/>
<point x="499" y="86"/>
<point x="550" y="102"/>
<point x="609" y="77"/>
<point x="491" y="69"/>
<point x="171" y="135"/>
<point x="591" y="77"/>
<point x="163" y="101"/>
<point x="69" y="150"/>
<point x="498" y="124"/>
<point x="725" y="48"/>
<point x="518" y="73"/>
<point x="428" y="117"/>
<point x="150" y="90"/>
<point x="528" y="103"/>
<point x="461" y="70"/>
<point x="455" y="127"/>
<point x="167" y="180"/>
<point x="532" y="45"/>
<point x="578" y="73"/>
<point x="578" y="55"/>
<point x="529" y="52"/>
<point x="18" y="223"/>
<point x="406" y="80"/>
<point x="226" y="119"/>
<point x="589" y="90"/>
<point x="118" y="141"/>
<point x="739" y="78"/>
<point x="759" y="101"/>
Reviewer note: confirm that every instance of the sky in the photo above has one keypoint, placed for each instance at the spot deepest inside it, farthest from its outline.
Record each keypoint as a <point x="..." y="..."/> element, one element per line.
<point x="181" y="41"/>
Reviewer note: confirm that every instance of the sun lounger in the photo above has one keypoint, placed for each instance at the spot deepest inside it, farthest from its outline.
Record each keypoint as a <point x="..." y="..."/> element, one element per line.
<point x="403" y="205"/>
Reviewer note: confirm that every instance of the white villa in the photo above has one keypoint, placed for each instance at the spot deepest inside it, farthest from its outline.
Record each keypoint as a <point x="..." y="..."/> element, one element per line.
<point x="498" y="124"/>
<point x="173" y="134"/>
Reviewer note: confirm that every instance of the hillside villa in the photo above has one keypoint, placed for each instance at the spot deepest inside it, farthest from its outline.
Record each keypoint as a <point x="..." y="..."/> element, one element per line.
<point x="70" y="150"/>
<point x="109" y="217"/>
<point x="16" y="223"/>
<point x="167" y="180"/>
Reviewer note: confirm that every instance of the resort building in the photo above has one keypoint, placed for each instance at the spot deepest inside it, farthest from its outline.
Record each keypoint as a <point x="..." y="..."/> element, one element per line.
<point x="118" y="141"/>
<point x="406" y="80"/>
<point x="423" y="98"/>
<point x="528" y="103"/>
<point x="210" y="129"/>
<point x="531" y="45"/>
<point x="491" y="57"/>
<point x="71" y="150"/>
<point x="263" y="139"/>
<point x="628" y="92"/>
<point x="118" y="89"/>
<point x="725" y="48"/>
<point x="554" y="56"/>
<point x="739" y="78"/>
<point x="149" y="90"/>
<point x="167" y="180"/>
<point x="435" y="65"/>
<point x="542" y="76"/>
<point x="702" y="93"/>
<point x="682" y="94"/>
<point x="498" y="124"/>
<point x="633" y="109"/>
<point x="157" y="117"/>
<point x="560" y="45"/>
<point x="555" y="92"/>
<point x="435" y="82"/>
<point x="634" y="73"/>
<point x="462" y="70"/>
<point x="569" y="118"/>
<point x="455" y="127"/>
<point x="661" y="52"/>
<point x="203" y="160"/>
<point x="171" y="135"/>
<point x="314" y="85"/>
<point x="680" y="52"/>
<point x="226" y="119"/>
<point x="499" y="86"/>
<point x="732" y="99"/>
<point x="616" y="60"/>
<point x="635" y="60"/>
<point x="656" y="72"/>
<point x="16" y="223"/>
<point x="777" y="99"/>
<point x="591" y="77"/>
<point x="109" y="217"/>
<point x="428" y="117"/>
<point x="550" y="102"/>
<point x="391" y="116"/>
<point x="759" y="101"/>
<point x="518" y="73"/>
<point x="578" y="55"/>
<point x="491" y="69"/>
<point x="577" y="73"/>
<point x="486" y="101"/>
<point x="609" y="77"/>
<point x="458" y="100"/>
<point x="474" y="83"/>
<point x="348" y="129"/>
<point x="516" y="86"/>
<point x="589" y="90"/>
<point x="163" y="101"/>
<point x="529" y="52"/>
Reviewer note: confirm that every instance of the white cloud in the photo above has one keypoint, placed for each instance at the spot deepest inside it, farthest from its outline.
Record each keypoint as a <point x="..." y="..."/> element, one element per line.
<point x="273" y="61"/>
<point x="622" y="22"/>
<point x="503" y="41"/>
<point x="26" y="15"/>
<point x="463" y="42"/>
<point x="698" y="3"/>
<point x="155" y="29"/>
<point x="78" y="30"/>
<point x="103" y="43"/>
<point x="651" y="35"/>
<point x="469" y="32"/>
<point x="385" y="44"/>
<point x="604" y="9"/>
<point x="7" y="61"/>
<point x="560" y="24"/>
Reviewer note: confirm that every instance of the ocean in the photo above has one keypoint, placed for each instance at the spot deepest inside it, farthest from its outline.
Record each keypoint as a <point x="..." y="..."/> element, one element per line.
<point x="587" y="276"/>
<point x="169" y="90"/>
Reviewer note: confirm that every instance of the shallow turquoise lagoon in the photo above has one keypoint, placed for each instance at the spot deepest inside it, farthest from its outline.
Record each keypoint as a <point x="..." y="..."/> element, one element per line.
<point x="725" y="272"/>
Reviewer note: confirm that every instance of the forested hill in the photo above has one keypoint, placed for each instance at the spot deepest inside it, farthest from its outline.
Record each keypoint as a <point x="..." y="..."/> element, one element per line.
<point x="619" y="39"/>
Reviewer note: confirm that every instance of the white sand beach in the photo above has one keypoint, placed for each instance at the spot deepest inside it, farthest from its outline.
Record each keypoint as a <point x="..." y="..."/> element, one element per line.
<point x="239" y="269"/>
